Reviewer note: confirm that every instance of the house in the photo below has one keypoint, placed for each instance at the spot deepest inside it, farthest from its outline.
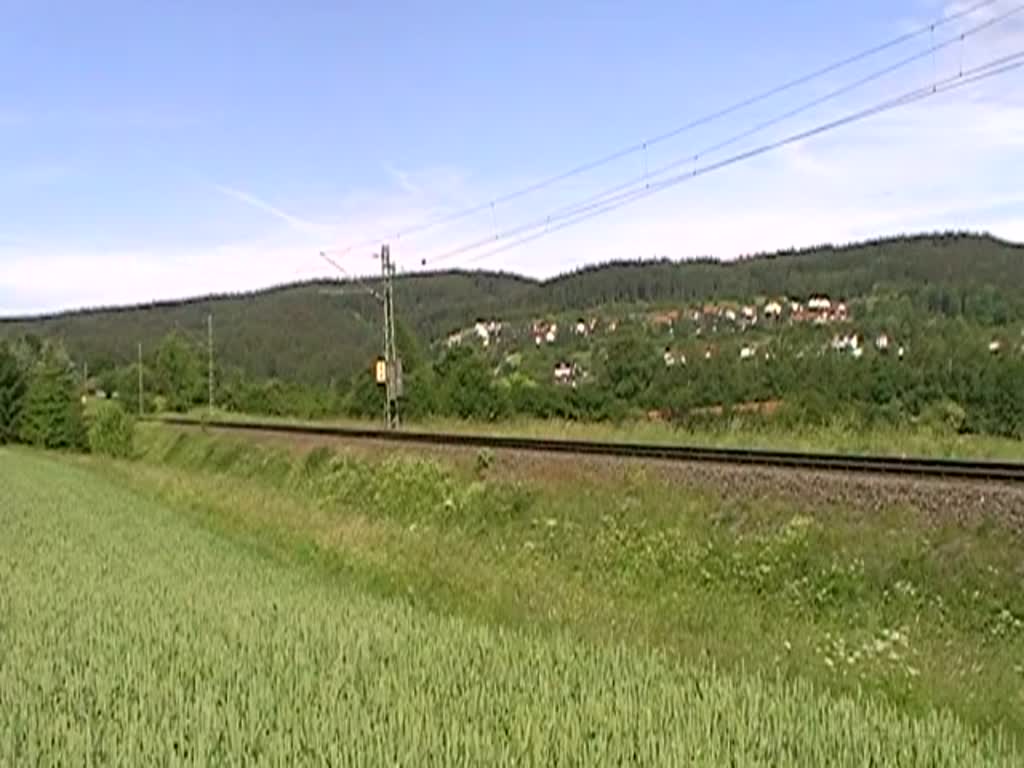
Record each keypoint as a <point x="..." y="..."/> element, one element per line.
<point x="730" y="315"/>
<point x="995" y="346"/>
<point x="747" y="353"/>
<point x="581" y="327"/>
<point x="749" y="313"/>
<point x="453" y="340"/>
<point x="669" y="358"/>
<point x="665" y="319"/>
<point x="882" y="342"/>
<point x="565" y="373"/>
<point x="482" y="333"/>
<point x="899" y="353"/>
<point x="819" y="304"/>
<point x="552" y="334"/>
<point x="773" y="310"/>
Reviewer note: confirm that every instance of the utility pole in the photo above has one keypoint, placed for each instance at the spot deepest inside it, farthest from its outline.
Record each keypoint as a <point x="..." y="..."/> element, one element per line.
<point x="392" y="365"/>
<point x="140" y="379"/>
<point x="209" y="363"/>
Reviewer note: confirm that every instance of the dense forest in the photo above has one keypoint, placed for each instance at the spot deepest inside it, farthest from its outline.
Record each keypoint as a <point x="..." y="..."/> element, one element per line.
<point x="325" y="331"/>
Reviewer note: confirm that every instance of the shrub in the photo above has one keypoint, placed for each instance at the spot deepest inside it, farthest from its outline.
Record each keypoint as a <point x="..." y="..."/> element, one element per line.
<point x="112" y="432"/>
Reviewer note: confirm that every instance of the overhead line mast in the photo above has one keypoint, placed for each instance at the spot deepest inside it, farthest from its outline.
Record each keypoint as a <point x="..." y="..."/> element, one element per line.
<point x="388" y="368"/>
<point x="392" y="364"/>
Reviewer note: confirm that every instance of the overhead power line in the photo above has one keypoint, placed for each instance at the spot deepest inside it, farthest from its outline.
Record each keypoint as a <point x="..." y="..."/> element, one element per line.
<point x="549" y="225"/>
<point x="642" y="146"/>
<point x="648" y="177"/>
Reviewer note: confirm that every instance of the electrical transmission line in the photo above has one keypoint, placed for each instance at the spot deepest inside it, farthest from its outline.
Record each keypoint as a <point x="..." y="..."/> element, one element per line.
<point x="643" y="146"/>
<point x="647" y="177"/>
<point x="575" y="215"/>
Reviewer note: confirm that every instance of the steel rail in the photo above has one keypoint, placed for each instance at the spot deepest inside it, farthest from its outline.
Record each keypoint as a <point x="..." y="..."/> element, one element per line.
<point x="953" y="469"/>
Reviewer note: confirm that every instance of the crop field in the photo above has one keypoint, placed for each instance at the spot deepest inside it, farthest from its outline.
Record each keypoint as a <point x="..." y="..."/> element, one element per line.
<point x="131" y="635"/>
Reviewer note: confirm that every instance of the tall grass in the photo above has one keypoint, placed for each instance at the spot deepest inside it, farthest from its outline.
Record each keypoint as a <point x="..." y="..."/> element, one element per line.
<point x="130" y="637"/>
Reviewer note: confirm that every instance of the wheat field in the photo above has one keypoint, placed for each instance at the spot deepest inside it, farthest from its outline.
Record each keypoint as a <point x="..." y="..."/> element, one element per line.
<point x="129" y="636"/>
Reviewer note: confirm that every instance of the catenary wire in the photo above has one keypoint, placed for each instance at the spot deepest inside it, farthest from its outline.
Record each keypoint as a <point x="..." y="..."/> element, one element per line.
<point x="696" y="123"/>
<point x="992" y="69"/>
<point x="694" y="158"/>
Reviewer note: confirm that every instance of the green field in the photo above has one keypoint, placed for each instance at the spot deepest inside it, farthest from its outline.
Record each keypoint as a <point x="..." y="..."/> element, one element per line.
<point x="267" y="609"/>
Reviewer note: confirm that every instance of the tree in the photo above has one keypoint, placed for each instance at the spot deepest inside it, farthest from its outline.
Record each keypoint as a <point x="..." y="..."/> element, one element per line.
<point x="12" y="393"/>
<point x="467" y="387"/>
<point x="178" y="373"/>
<point x="631" y="365"/>
<point x="51" y="415"/>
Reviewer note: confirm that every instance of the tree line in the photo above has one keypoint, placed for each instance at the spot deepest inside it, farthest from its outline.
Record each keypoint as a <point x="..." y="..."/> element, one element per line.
<point x="42" y="403"/>
<point x="323" y="332"/>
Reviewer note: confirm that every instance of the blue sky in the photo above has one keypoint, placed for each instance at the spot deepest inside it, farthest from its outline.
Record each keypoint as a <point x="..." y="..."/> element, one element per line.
<point x="163" y="149"/>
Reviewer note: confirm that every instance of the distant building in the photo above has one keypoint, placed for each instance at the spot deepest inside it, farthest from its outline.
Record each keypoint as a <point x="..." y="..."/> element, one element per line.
<point x="747" y="353"/>
<point x="565" y="373"/>
<point x="882" y="342"/>
<point x="773" y="310"/>
<point x="665" y="319"/>
<point x="995" y="346"/>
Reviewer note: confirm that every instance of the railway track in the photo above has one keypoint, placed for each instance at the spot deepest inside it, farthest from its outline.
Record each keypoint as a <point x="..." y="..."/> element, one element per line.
<point x="951" y="469"/>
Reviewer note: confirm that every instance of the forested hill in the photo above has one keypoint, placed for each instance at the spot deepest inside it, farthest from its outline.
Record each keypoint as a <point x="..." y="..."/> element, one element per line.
<point x="319" y="331"/>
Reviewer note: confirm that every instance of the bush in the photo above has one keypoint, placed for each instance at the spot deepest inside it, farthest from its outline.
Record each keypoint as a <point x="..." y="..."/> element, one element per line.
<point x="112" y="432"/>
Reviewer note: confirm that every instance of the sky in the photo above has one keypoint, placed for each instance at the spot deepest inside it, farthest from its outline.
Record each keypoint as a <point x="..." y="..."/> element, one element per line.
<point x="166" y="149"/>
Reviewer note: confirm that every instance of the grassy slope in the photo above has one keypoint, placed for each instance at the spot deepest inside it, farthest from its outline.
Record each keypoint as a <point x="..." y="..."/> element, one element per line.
<point x="131" y="637"/>
<point x="908" y="441"/>
<point x="921" y="617"/>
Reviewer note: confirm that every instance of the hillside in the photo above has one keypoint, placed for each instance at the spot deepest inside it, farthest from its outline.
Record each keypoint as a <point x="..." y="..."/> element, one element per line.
<point x="318" y="331"/>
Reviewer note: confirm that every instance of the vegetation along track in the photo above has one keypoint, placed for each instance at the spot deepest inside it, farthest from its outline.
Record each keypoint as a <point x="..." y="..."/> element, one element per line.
<point x="887" y="465"/>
